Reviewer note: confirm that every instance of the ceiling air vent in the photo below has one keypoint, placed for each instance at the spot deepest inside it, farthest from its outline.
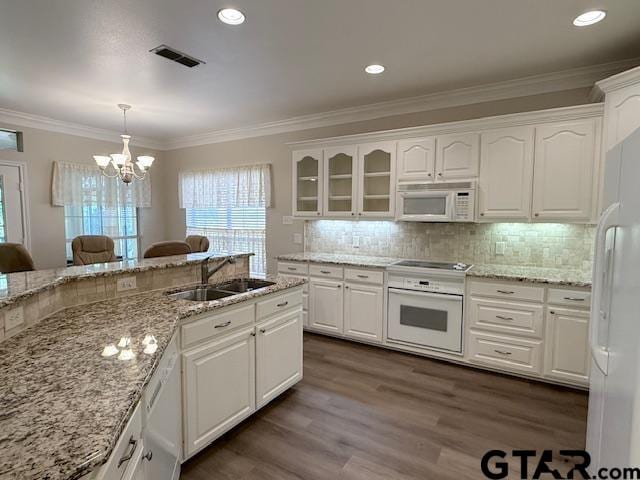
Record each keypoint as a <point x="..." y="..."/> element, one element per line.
<point x="176" y="56"/>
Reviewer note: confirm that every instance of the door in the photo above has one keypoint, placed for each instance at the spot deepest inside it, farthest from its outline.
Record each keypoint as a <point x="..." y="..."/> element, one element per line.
<point x="363" y="312"/>
<point x="376" y="179"/>
<point x="340" y="181"/>
<point x="506" y="171"/>
<point x="325" y="305"/>
<point x="564" y="165"/>
<point x="416" y="159"/>
<point x="219" y="388"/>
<point x="307" y="183"/>
<point x="457" y="156"/>
<point x="12" y="201"/>
<point x="567" y="355"/>
<point x="278" y="356"/>
<point x="424" y="319"/>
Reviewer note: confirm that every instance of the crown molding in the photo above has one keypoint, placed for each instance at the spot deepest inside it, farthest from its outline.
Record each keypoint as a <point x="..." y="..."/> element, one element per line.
<point x="532" y="85"/>
<point x="29" y="120"/>
<point x="616" y="82"/>
<point x="562" y="114"/>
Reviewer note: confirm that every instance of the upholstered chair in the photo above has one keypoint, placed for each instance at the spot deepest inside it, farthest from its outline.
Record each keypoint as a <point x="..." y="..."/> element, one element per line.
<point x="15" y="258"/>
<point x="90" y="249"/>
<point x="166" y="249"/>
<point x="198" y="243"/>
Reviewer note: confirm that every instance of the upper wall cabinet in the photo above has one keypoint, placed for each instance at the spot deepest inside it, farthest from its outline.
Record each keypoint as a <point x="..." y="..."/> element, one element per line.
<point x="506" y="168"/>
<point x="457" y="156"/>
<point x="417" y="159"/>
<point x="340" y="181"/>
<point x="622" y="105"/>
<point x="307" y="183"/>
<point x="376" y="188"/>
<point x="563" y="178"/>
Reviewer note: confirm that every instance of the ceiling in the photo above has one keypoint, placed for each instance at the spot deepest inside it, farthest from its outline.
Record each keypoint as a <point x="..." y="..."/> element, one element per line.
<point x="74" y="60"/>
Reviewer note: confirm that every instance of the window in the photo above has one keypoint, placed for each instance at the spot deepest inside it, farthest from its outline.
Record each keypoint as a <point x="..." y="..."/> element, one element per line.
<point x="10" y="140"/>
<point x="228" y="206"/>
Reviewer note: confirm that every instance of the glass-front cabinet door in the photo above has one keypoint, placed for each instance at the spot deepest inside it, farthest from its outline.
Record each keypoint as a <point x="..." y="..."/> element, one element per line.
<point x="376" y="189"/>
<point x="307" y="183"/>
<point x="340" y="181"/>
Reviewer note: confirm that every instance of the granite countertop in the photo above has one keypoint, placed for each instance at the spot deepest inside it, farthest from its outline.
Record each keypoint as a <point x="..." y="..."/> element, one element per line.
<point x="63" y="405"/>
<point x="15" y="286"/>
<point x="551" y="276"/>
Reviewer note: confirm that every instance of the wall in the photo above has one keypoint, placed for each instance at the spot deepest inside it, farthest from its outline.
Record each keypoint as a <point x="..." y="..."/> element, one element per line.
<point x="530" y="244"/>
<point x="41" y="148"/>
<point x="273" y="149"/>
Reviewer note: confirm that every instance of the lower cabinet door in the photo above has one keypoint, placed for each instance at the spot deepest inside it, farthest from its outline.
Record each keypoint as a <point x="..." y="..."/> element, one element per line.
<point x="219" y="388"/>
<point x="567" y="345"/>
<point x="325" y="305"/>
<point x="363" y="312"/>
<point x="279" y="355"/>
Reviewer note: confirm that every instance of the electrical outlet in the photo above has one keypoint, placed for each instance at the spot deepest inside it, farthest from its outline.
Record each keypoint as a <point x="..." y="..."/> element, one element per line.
<point x="500" y="246"/>
<point x="126" y="283"/>
<point x="297" y="238"/>
<point x="355" y="242"/>
<point x="13" y="318"/>
<point x="287" y="220"/>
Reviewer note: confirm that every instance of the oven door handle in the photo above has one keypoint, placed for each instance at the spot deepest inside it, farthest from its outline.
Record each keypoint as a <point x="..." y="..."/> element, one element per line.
<point x="414" y="293"/>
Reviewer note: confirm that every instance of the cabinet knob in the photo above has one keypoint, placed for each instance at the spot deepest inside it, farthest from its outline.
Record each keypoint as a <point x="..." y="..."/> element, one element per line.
<point x="428" y="174"/>
<point x="482" y="214"/>
<point x="352" y="213"/>
<point x="552" y="312"/>
<point x="536" y="214"/>
<point x="148" y="456"/>
<point x="317" y="213"/>
<point x="439" y="174"/>
<point x="346" y="286"/>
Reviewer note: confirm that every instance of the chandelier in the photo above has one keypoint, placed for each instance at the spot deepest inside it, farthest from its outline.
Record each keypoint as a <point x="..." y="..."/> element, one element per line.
<point x="121" y="165"/>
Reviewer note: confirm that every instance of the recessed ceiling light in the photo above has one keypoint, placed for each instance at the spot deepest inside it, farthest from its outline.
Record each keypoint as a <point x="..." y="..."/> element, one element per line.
<point x="231" y="16"/>
<point x="589" y="18"/>
<point x="374" y="69"/>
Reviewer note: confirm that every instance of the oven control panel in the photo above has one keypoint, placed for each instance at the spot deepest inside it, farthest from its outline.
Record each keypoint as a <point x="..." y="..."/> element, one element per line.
<point x="453" y="286"/>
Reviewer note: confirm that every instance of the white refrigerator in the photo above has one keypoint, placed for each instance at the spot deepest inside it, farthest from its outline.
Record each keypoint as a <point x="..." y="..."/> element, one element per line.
<point x="613" y="431"/>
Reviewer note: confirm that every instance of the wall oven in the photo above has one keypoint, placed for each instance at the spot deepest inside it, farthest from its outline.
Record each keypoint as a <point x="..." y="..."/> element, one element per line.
<point x="425" y="306"/>
<point x="436" y="202"/>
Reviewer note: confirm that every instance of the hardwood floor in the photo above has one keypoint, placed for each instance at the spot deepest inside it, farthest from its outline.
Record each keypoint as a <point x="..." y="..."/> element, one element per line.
<point x="365" y="413"/>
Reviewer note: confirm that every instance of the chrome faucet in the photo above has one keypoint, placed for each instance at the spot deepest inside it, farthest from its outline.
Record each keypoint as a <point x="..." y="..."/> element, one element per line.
<point x="207" y="273"/>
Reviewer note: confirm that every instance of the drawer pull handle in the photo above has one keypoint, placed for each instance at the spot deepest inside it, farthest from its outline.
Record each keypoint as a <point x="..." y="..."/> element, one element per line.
<point x="283" y="304"/>
<point x="127" y="456"/>
<point x="363" y="276"/>
<point x="222" y="325"/>
<point x="574" y="299"/>
<point x="502" y="352"/>
<point x="504" y="318"/>
<point x="506" y="292"/>
<point x="262" y="330"/>
<point x="326" y="272"/>
<point x="293" y="269"/>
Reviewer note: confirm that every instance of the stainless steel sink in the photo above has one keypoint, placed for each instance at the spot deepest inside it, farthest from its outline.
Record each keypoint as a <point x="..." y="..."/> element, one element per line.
<point x="201" y="294"/>
<point x="244" y="285"/>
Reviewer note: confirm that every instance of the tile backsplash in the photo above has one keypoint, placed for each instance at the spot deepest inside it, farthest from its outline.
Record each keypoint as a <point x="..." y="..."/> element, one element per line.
<point x="527" y="244"/>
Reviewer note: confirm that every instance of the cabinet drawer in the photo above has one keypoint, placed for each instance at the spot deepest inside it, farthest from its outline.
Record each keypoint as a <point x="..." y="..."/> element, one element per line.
<point x="327" y="271"/>
<point x="511" y="318"/>
<point x="293" y="268"/>
<point x="508" y="290"/>
<point x="278" y="303"/>
<point x="508" y="353"/>
<point x="213" y="325"/>
<point x="375" y="277"/>
<point x="572" y="298"/>
<point x="122" y="459"/>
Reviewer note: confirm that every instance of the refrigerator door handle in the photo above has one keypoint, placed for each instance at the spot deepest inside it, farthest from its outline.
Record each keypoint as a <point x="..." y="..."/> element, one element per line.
<point x="608" y="220"/>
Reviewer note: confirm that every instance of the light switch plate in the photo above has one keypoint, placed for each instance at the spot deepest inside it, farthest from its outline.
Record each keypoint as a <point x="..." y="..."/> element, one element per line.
<point x="500" y="246"/>
<point x="287" y="220"/>
<point x="126" y="283"/>
<point x="297" y="238"/>
<point x="13" y="318"/>
<point x="355" y="242"/>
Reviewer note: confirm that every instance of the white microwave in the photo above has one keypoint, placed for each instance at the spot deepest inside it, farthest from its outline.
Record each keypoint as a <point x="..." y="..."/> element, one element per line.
<point x="436" y="202"/>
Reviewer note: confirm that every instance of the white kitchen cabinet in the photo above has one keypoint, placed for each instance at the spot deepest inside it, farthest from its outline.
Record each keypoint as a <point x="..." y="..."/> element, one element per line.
<point x="564" y="166"/>
<point x="416" y="159"/>
<point x="457" y="156"/>
<point x="219" y="383"/>
<point x="567" y="353"/>
<point x="376" y="179"/>
<point x="278" y="355"/>
<point x="363" y="312"/>
<point x="325" y="305"/>
<point x="307" y="183"/>
<point x="340" y="181"/>
<point x="506" y="169"/>
<point x="622" y="105"/>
